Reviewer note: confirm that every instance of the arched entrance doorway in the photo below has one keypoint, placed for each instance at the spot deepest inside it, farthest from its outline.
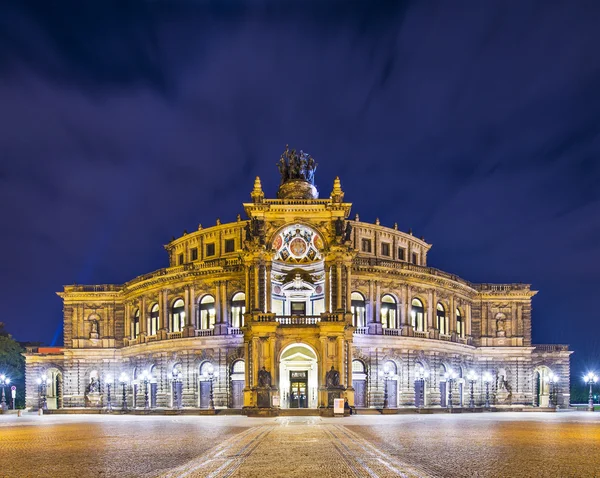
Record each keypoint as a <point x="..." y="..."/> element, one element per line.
<point x="542" y="386"/>
<point x="359" y="382"/>
<point x="54" y="389"/>
<point x="298" y="377"/>
<point x="237" y="384"/>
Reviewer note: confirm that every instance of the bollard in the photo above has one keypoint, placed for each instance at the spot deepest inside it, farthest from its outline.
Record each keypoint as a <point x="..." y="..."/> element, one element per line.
<point x="19" y="413"/>
<point x="40" y="412"/>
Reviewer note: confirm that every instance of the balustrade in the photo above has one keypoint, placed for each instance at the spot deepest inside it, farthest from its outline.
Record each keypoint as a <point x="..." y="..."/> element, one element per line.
<point x="393" y="332"/>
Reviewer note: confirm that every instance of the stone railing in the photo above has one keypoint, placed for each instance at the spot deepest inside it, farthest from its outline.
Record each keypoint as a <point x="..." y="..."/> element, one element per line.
<point x="205" y="332"/>
<point x="132" y="341"/>
<point x="551" y="348"/>
<point x="361" y="330"/>
<point x="151" y="338"/>
<point x="93" y="288"/>
<point x="298" y="319"/>
<point x="393" y="332"/>
<point x="462" y="340"/>
<point x="421" y="335"/>
<point x="501" y="287"/>
<point x="446" y="337"/>
<point x="174" y="335"/>
<point x="234" y="331"/>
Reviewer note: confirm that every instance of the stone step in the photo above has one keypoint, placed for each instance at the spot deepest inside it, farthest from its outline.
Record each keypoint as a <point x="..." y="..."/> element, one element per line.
<point x="299" y="412"/>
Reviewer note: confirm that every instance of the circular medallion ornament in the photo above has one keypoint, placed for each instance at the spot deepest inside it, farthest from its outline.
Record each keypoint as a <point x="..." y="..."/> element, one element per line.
<point x="298" y="247"/>
<point x="277" y="243"/>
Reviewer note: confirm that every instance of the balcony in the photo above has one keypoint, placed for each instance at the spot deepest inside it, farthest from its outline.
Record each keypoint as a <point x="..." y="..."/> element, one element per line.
<point x="234" y="331"/>
<point x="174" y="335"/>
<point x="392" y="332"/>
<point x="551" y="348"/>
<point x="361" y="330"/>
<point x="298" y="319"/>
<point x="205" y="332"/>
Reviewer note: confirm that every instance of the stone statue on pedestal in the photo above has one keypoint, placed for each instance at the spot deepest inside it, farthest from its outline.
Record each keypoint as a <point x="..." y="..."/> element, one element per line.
<point x="264" y="378"/>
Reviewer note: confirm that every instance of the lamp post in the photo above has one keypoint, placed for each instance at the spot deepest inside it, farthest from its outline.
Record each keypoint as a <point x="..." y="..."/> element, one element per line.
<point x="146" y="377"/>
<point x="4" y="381"/>
<point x="450" y="376"/>
<point x="422" y="375"/>
<point x="123" y="378"/>
<point x="551" y="379"/>
<point x="472" y="377"/>
<point x="176" y="381"/>
<point x="591" y="378"/>
<point x="385" y="374"/>
<point x="487" y="379"/>
<point x="108" y="380"/>
<point x="210" y="373"/>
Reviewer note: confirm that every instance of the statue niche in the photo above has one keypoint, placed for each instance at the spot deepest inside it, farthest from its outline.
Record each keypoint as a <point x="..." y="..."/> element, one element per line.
<point x="334" y="389"/>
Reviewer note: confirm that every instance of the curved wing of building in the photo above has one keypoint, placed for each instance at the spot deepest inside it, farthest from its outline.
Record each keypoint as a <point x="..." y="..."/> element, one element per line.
<point x="292" y="308"/>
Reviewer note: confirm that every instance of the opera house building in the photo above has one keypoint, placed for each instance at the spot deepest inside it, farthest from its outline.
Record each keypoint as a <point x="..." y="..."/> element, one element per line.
<point x="293" y="306"/>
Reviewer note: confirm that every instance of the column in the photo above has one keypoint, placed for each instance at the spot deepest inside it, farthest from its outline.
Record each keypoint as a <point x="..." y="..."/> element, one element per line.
<point x="348" y="287"/>
<point x="268" y="298"/>
<point x="468" y="320"/>
<point x="340" y="361"/>
<point x="339" y="291"/>
<point x="163" y="315"/>
<point x="377" y="317"/>
<point x="247" y="288"/>
<point x="327" y="288"/>
<point x="127" y="331"/>
<point x="143" y="325"/>
<point x="430" y="310"/>
<point x="452" y="316"/>
<point x="256" y="291"/>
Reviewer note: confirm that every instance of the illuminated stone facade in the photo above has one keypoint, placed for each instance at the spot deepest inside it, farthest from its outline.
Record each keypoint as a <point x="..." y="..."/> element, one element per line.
<point x="294" y="306"/>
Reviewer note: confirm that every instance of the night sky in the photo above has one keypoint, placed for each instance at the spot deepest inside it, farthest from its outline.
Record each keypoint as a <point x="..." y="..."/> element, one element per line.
<point x="476" y="124"/>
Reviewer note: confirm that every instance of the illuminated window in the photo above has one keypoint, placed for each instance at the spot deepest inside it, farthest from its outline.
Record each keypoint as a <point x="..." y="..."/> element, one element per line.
<point x="194" y="253"/>
<point x="415" y="258"/>
<point x="385" y="249"/>
<point x="388" y="312"/>
<point x="153" y="320"/>
<point x="442" y="320"/>
<point x="178" y="316"/>
<point x="229" y="245"/>
<point x="417" y="314"/>
<point x="366" y="245"/>
<point x="460" y="325"/>
<point x="135" y="324"/>
<point x="180" y="259"/>
<point x="358" y="309"/>
<point x="210" y="249"/>
<point x="207" y="312"/>
<point x="238" y="308"/>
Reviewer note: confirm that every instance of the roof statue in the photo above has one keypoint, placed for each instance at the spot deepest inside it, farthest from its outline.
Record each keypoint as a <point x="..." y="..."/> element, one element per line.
<point x="297" y="172"/>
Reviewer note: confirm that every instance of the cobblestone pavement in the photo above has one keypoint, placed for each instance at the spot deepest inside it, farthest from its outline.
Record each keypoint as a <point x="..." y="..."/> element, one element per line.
<point x="494" y="444"/>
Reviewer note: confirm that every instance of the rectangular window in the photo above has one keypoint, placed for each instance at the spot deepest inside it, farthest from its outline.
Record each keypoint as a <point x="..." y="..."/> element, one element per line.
<point x="415" y="258"/>
<point x="366" y="245"/>
<point x="194" y="253"/>
<point x="401" y="254"/>
<point x="210" y="249"/>
<point x="180" y="259"/>
<point x="385" y="249"/>
<point x="229" y="245"/>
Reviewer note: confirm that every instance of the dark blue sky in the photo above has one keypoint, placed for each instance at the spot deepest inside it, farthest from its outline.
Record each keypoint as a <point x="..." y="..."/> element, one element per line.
<point x="476" y="124"/>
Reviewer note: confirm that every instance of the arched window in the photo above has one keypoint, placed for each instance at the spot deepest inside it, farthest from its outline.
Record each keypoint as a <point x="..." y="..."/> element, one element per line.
<point x="358" y="309"/>
<point x="238" y="367"/>
<point x="460" y="324"/>
<point x="178" y="316"/>
<point x="390" y="367"/>
<point x="388" y="312"/>
<point x="442" y="320"/>
<point x="358" y="366"/>
<point x="417" y="315"/>
<point x="135" y="324"/>
<point x="153" y="320"/>
<point x="207" y="312"/>
<point x="238" y="308"/>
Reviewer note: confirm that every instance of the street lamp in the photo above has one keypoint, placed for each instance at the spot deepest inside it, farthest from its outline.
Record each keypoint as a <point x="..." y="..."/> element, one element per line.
<point x="4" y="381"/>
<point x="422" y="375"/>
<point x="123" y="378"/>
<point x="552" y="380"/>
<point x="450" y="376"/>
<point x="591" y="378"/>
<point x="487" y="379"/>
<point x="176" y="381"/>
<point x="472" y="377"/>
<point x="108" y="379"/>
<point x="146" y="377"/>
<point x="385" y="374"/>
<point x="210" y="373"/>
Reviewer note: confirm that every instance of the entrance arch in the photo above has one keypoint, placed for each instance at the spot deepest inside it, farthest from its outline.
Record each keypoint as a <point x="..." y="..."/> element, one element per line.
<point x="298" y="376"/>
<point x="542" y="386"/>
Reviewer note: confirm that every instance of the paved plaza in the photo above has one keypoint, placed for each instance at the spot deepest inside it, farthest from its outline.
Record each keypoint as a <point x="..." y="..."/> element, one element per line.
<point x="509" y="444"/>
